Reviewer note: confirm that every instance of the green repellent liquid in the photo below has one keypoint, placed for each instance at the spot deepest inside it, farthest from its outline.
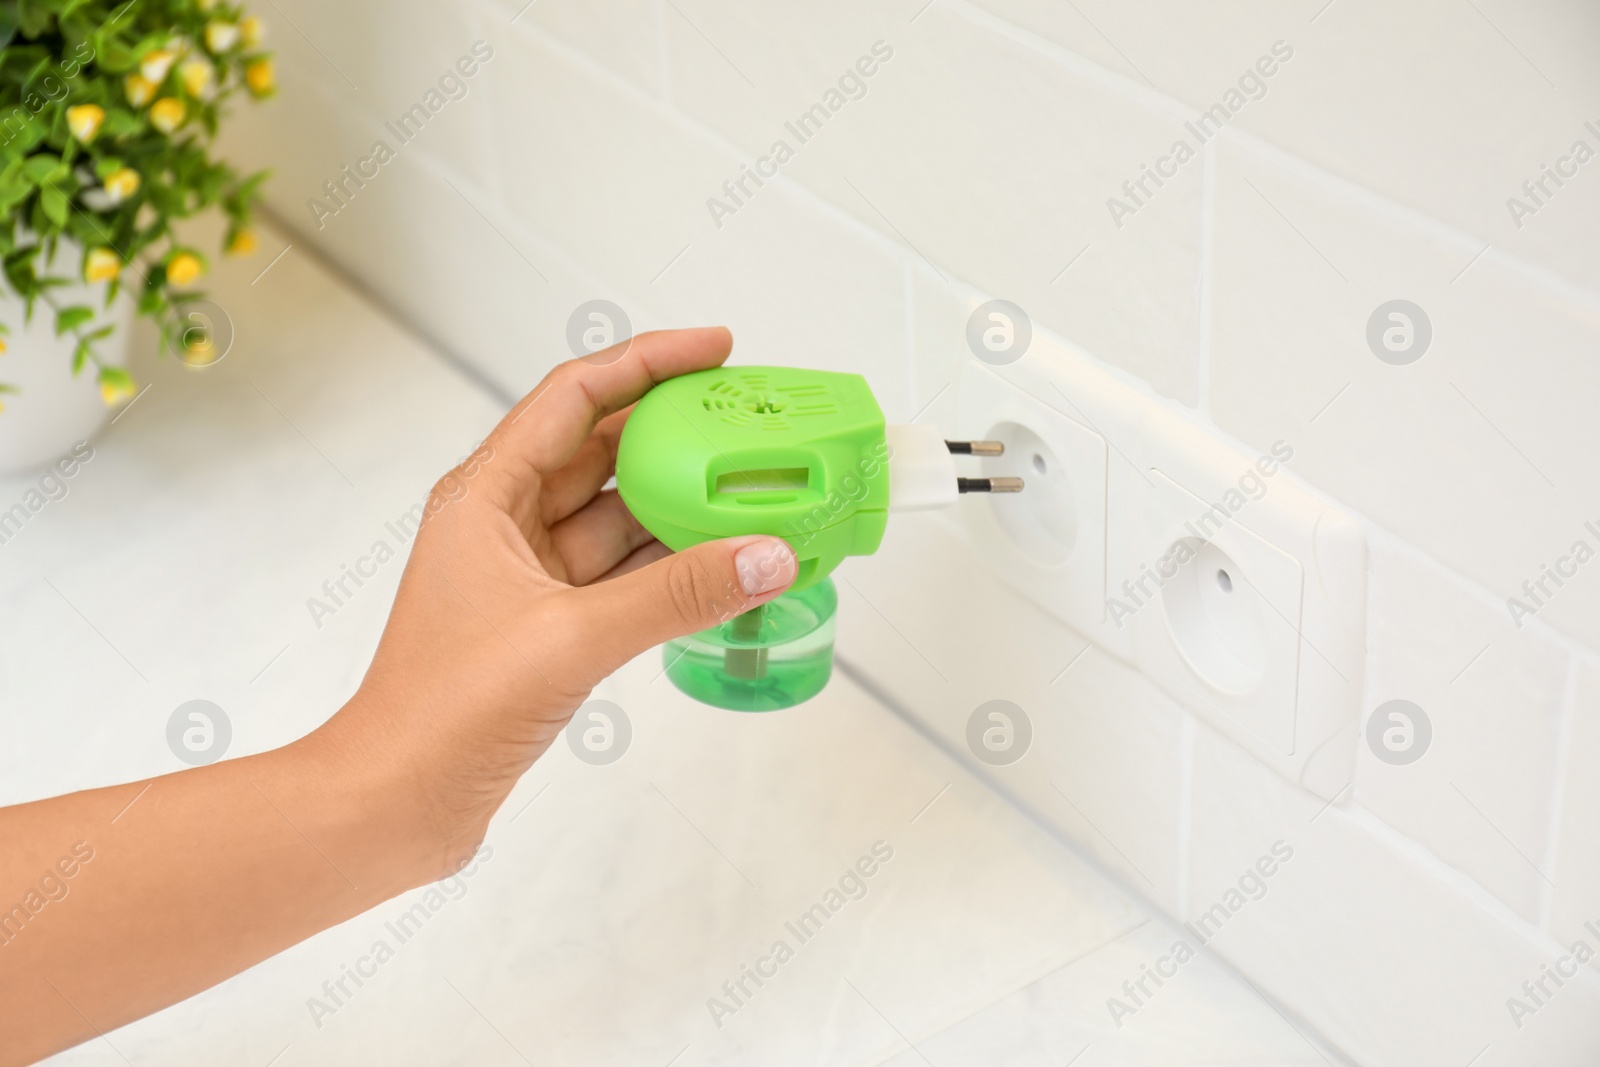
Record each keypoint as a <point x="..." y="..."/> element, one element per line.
<point x="776" y="656"/>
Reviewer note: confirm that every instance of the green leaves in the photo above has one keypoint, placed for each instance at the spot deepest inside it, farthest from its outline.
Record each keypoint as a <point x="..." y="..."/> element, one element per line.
<point x="8" y="22"/>
<point x="57" y="55"/>
<point x="70" y="318"/>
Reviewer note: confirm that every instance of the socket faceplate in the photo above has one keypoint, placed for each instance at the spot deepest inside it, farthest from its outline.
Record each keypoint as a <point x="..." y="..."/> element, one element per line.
<point x="1259" y="628"/>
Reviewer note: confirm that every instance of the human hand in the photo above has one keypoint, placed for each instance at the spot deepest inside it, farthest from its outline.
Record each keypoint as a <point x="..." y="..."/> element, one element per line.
<point x="527" y="584"/>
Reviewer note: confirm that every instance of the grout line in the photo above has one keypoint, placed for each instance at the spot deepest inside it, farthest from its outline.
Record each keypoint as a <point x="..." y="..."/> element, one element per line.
<point x="1565" y="756"/>
<point x="1186" y="745"/>
<point x="663" y="51"/>
<point x="1396" y="215"/>
<point x="1207" y="262"/>
<point x="909" y="298"/>
<point x="1075" y="63"/>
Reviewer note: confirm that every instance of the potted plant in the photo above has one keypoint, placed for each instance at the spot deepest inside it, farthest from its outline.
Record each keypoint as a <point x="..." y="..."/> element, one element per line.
<point x="108" y="112"/>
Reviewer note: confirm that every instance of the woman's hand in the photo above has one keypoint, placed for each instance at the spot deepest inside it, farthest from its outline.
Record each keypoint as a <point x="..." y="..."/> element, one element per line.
<point x="527" y="585"/>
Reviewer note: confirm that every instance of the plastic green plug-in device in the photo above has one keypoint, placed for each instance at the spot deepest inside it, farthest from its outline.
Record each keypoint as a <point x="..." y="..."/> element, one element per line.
<point x="800" y="454"/>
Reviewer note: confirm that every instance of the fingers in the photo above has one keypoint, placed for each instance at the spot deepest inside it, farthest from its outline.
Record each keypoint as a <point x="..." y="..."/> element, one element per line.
<point x="611" y="622"/>
<point x="597" y="537"/>
<point x="548" y="426"/>
<point x="570" y="488"/>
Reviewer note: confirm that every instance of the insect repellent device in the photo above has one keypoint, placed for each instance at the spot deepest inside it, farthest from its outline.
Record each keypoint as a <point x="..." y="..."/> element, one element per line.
<point x="803" y="455"/>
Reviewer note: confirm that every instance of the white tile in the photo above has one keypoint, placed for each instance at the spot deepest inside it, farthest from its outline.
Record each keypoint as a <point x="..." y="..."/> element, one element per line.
<point x="386" y="58"/>
<point x="1393" y="964"/>
<point x="1445" y="107"/>
<point x="439" y="252"/>
<point x="1480" y="798"/>
<point x="300" y="135"/>
<point x="1577" y="868"/>
<point x="1201" y="1015"/>
<point x="986" y="159"/>
<point x="939" y="312"/>
<point x="624" y="35"/>
<point x="797" y="283"/>
<point x="1476" y="453"/>
<point x="1105" y="766"/>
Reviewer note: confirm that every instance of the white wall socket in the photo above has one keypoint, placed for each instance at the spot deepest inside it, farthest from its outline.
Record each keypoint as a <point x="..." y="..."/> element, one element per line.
<point x="1231" y="586"/>
<point x="1049" y="542"/>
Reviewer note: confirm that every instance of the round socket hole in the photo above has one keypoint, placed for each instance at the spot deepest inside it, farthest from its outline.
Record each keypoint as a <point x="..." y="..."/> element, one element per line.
<point x="1042" y="520"/>
<point x="1215" y="615"/>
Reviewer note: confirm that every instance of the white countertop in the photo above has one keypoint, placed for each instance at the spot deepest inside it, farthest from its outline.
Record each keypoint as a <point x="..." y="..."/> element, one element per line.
<point x="617" y="899"/>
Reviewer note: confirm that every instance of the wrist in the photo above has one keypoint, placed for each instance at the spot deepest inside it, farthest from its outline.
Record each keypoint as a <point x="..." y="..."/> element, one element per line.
<point x="388" y="814"/>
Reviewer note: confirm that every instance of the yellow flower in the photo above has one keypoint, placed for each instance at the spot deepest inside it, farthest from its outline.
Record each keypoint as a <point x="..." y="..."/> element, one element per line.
<point x="155" y="65"/>
<point x="101" y="265"/>
<point x="198" y="349"/>
<point x="183" y="268"/>
<point x="113" y="393"/>
<point x="221" y="36"/>
<point x="138" y="89"/>
<point x="2" y="352"/>
<point x="84" y="121"/>
<point x="259" y="77"/>
<point x="122" y="184"/>
<point x="243" y="243"/>
<point x="167" y="114"/>
<point x="198" y="77"/>
<point x="252" y="30"/>
<point x="206" y="5"/>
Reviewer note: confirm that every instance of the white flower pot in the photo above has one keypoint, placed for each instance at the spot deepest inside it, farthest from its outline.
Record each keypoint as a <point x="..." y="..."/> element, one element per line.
<point x="53" y="409"/>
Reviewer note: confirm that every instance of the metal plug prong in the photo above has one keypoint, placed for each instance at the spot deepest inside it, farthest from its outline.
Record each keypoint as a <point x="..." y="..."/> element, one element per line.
<point x="976" y="448"/>
<point x="988" y="485"/>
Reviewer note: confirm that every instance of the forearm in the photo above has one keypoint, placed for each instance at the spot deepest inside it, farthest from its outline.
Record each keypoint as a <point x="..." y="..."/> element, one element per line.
<point x="179" y="882"/>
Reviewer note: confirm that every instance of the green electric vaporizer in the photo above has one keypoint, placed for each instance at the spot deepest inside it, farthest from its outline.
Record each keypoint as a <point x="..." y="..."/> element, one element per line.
<point x="800" y="454"/>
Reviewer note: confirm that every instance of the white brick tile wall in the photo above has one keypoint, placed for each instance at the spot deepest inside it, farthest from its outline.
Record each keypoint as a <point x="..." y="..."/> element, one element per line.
<point x="1478" y="453"/>
<point x="1576" y="872"/>
<point x="624" y="35"/>
<point x="832" y="296"/>
<point x="1441" y="106"/>
<point x="1363" y="937"/>
<point x="384" y="60"/>
<point x="998" y="178"/>
<point x="979" y="164"/>
<point x="1481" y="797"/>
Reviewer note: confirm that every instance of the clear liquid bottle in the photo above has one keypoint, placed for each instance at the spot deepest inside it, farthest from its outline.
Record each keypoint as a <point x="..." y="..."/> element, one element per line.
<point x="772" y="657"/>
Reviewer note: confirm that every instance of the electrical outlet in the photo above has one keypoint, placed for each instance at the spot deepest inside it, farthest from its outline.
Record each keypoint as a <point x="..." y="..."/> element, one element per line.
<point x="1049" y="541"/>
<point x="1219" y="605"/>
<point x="1232" y="587"/>
<point x="1252" y="599"/>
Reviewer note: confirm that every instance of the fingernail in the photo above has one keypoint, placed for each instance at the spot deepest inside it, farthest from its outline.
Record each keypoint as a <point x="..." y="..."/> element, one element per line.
<point x="764" y="566"/>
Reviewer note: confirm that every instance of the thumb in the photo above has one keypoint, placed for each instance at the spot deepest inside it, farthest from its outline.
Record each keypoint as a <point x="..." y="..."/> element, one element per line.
<point x="682" y="594"/>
